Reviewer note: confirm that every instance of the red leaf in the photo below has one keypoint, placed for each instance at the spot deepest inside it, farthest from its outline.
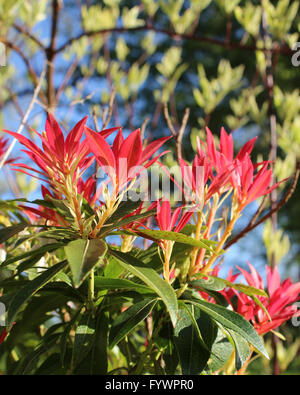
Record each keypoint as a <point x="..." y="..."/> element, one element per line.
<point x="55" y="136"/>
<point x="153" y="147"/>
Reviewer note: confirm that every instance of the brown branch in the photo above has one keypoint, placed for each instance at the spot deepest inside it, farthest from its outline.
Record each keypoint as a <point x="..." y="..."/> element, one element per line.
<point x="192" y="37"/>
<point x="51" y="53"/>
<point x="33" y="75"/>
<point x="273" y="210"/>
<point x="23" y="30"/>
<point x="181" y="131"/>
<point x="143" y="127"/>
<point x="26" y="115"/>
<point x="258" y="211"/>
<point x="269" y="84"/>
<point x="108" y="116"/>
<point x="66" y="79"/>
<point x="178" y="135"/>
<point x="169" y="122"/>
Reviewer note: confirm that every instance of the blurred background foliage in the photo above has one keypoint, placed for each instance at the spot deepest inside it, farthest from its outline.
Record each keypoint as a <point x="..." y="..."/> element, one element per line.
<point x="228" y="62"/>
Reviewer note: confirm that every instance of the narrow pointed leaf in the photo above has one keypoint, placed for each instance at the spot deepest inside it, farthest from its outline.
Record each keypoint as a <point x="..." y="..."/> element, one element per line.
<point x="129" y="319"/>
<point x="233" y="321"/>
<point x="30" y="289"/>
<point x="64" y="337"/>
<point x="242" y="349"/>
<point x="95" y="362"/>
<point x="193" y="354"/>
<point x="84" y="337"/>
<point x="10" y="231"/>
<point x="119" y="283"/>
<point x="152" y="279"/>
<point x="215" y="283"/>
<point x="177" y="237"/>
<point x="40" y="251"/>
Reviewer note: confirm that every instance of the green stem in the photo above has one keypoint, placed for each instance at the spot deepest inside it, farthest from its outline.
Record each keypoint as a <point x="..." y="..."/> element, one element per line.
<point x="128" y="357"/>
<point x="91" y="289"/>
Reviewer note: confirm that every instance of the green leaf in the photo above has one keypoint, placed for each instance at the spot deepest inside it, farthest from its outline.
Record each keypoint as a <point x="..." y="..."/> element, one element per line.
<point x="152" y="279"/>
<point x="215" y="284"/>
<point x="40" y="251"/>
<point x="129" y="319"/>
<point x="10" y="231"/>
<point x="248" y="290"/>
<point x="64" y="289"/>
<point x="242" y="349"/>
<point x="118" y="283"/>
<point x="98" y="354"/>
<point x="51" y="366"/>
<point x="233" y="321"/>
<point x="151" y="257"/>
<point x="56" y="233"/>
<point x="220" y="352"/>
<point x="30" y="289"/>
<point x="112" y="268"/>
<point x="193" y="348"/>
<point x="35" y="313"/>
<point x="209" y="283"/>
<point x="31" y="359"/>
<point x="82" y="256"/>
<point x="108" y="228"/>
<point x="177" y="237"/>
<point x="124" y="208"/>
<point x="84" y="337"/>
<point x="95" y="362"/>
<point x="64" y="337"/>
<point x="165" y="341"/>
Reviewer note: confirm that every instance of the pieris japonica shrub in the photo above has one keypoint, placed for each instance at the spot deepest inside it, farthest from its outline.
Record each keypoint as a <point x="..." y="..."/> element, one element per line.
<point x="101" y="277"/>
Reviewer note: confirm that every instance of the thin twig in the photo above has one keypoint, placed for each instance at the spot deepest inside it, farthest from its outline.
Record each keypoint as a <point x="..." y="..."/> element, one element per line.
<point x="143" y="127"/>
<point x="178" y="135"/>
<point x="278" y="206"/>
<point x="110" y="109"/>
<point x="23" y="30"/>
<point x="169" y="122"/>
<point x="27" y="63"/>
<point x="95" y="120"/>
<point x="83" y="100"/>
<point x="181" y="131"/>
<point x="24" y="120"/>
<point x="66" y="79"/>
<point x="258" y="211"/>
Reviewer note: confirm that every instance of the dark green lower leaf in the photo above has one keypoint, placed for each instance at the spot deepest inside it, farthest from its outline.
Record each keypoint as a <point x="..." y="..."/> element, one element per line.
<point x="118" y="283"/>
<point x="242" y="349"/>
<point x="10" y="231"/>
<point x="232" y="321"/>
<point x="152" y="279"/>
<point x="30" y="289"/>
<point x="84" y="337"/>
<point x="193" y="350"/>
<point x="129" y="319"/>
<point x="220" y="352"/>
